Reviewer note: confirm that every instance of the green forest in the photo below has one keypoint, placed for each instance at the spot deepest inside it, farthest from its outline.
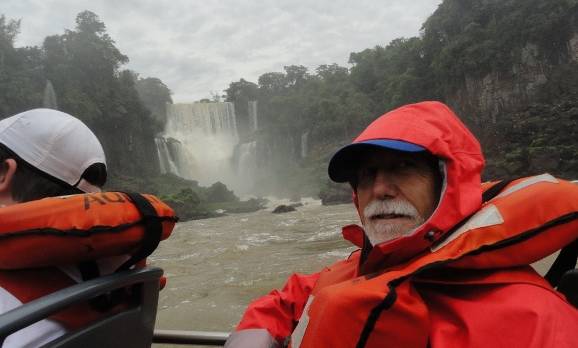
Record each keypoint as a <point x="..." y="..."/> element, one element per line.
<point x="508" y="67"/>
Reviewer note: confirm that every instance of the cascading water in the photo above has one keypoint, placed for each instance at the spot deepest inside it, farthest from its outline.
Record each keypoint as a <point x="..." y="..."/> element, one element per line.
<point x="49" y="98"/>
<point x="168" y="159"/>
<point x="304" y="144"/>
<point x="253" y="122"/>
<point x="198" y="142"/>
<point x="247" y="159"/>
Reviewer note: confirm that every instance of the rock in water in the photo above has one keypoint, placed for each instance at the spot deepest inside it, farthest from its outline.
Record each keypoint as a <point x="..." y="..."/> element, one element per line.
<point x="283" y="209"/>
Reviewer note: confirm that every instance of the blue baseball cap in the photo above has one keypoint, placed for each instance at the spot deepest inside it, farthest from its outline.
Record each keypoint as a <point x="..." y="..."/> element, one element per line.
<point x="344" y="163"/>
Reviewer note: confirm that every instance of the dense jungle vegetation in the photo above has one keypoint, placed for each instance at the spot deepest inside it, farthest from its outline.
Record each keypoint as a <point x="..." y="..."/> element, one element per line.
<point x="508" y="67"/>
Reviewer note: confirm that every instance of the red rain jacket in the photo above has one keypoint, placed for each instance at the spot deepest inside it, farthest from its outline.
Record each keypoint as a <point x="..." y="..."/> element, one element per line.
<point x="476" y="302"/>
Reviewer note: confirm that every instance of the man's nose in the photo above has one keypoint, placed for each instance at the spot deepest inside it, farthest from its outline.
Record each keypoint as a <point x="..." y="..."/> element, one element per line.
<point x="384" y="186"/>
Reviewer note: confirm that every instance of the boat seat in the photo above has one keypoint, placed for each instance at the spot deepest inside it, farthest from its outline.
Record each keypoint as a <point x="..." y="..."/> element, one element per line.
<point x="131" y="328"/>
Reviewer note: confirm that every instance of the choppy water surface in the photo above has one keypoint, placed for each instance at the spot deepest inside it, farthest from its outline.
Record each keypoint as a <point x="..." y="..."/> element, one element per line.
<point x="215" y="267"/>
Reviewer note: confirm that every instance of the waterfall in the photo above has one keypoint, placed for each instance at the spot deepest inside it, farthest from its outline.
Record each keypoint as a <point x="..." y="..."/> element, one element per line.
<point x="205" y="119"/>
<point x="253" y="123"/>
<point x="49" y="99"/>
<point x="247" y="160"/>
<point x="163" y="156"/>
<point x="199" y="139"/>
<point x="168" y="159"/>
<point x="304" y="144"/>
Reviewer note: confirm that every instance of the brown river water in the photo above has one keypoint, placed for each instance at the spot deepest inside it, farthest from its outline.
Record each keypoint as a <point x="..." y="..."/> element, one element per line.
<point x="215" y="267"/>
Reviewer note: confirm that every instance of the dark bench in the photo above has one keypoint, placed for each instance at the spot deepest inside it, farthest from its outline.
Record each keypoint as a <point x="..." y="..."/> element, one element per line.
<point x="130" y="328"/>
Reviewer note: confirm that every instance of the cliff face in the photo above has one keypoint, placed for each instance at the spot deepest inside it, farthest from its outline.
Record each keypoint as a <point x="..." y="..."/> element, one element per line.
<point x="527" y="118"/>
<point x="573" y="48"/>
<point x="523" y="130"/>
<point x="483" y="99"/>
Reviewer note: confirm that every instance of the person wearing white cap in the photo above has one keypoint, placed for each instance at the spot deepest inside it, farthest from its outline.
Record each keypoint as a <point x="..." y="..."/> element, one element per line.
<point x="45" y="153"/>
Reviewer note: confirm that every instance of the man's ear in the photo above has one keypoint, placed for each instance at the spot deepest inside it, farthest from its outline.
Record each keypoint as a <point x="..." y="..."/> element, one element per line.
<point x="7" y="171"/>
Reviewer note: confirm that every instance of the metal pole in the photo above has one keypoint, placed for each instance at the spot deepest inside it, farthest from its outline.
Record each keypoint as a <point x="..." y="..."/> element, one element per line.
<point x="206" y="338"/>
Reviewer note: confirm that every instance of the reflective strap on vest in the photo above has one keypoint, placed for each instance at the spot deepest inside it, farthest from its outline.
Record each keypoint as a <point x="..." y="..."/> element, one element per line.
<point x="299" y="332"/>
<point x="529" y="181"/>
<point x="486" y="217"/>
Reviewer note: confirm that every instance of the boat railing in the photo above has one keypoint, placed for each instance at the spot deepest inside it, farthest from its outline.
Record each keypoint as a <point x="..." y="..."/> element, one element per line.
<point x="133" y="327"/>
<point x="205" y="338"/>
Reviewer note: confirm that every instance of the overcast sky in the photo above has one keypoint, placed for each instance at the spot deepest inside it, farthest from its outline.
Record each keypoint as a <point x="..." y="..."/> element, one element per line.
<point x="199" y="47"/>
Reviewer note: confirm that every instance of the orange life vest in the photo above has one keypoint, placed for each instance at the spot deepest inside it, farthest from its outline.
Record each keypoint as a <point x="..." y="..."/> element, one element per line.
<point x="37" y="236"/>
<point x="529" y="220"/>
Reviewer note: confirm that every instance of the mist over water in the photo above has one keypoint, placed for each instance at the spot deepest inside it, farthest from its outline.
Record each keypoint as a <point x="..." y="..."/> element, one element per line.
<point x="215" y="267"/>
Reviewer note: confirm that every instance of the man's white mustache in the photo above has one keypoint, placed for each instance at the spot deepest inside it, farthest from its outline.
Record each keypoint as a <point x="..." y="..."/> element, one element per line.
<point x="390" y="207"/>
<point x="378" y="230"/>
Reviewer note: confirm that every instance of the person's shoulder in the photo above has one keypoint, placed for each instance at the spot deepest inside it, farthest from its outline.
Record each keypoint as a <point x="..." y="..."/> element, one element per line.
<point x="504" y="315"/>
<point x="553" y="321"/>
<point x="538" y="299"/>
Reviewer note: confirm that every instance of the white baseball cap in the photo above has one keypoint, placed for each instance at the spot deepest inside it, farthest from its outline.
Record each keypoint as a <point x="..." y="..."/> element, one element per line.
<point x="55" y="143"/>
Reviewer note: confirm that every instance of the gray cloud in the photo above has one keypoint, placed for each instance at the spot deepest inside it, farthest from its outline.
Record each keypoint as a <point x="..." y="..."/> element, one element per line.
<point x="197" y="47"/>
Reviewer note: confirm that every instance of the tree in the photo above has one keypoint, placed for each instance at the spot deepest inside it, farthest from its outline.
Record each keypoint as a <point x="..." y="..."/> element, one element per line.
<point x="332" y="73"/>
<point x="295" y="74"/>
<point x="155" y="95"/>
<point x="92" y="43"/>
<point x="21" y="79"/>
<point x="84" y="66"/>
<point x="9" y="29"/>
<point x="218" y="192"/>
<point x="272" y="83"/>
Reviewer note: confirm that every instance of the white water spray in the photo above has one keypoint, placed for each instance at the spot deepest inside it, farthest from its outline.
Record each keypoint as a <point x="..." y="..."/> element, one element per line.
<point x="304" y="144"/>
<point x="199" y="143"/>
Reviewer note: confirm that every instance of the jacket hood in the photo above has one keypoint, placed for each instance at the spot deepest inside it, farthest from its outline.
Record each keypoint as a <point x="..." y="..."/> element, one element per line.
<point x="436" y="128"/>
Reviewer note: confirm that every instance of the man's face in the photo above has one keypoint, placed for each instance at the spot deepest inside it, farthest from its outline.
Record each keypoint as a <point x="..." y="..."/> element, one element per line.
<point x="396" y="192"/>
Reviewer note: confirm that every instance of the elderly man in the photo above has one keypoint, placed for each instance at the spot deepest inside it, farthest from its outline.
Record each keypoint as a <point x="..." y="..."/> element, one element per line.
<point x="443" y="259"/>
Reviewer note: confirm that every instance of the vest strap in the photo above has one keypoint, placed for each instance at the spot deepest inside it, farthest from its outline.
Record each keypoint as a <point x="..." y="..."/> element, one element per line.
<point x="495" y="190"/>
<point x="565" y="262"/>
<point x="153" y="230"/>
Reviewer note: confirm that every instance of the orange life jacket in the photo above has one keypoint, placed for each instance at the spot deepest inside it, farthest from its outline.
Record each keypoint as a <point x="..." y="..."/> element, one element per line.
<point x="37" y="236"/>
<point x="494" y="246"/>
